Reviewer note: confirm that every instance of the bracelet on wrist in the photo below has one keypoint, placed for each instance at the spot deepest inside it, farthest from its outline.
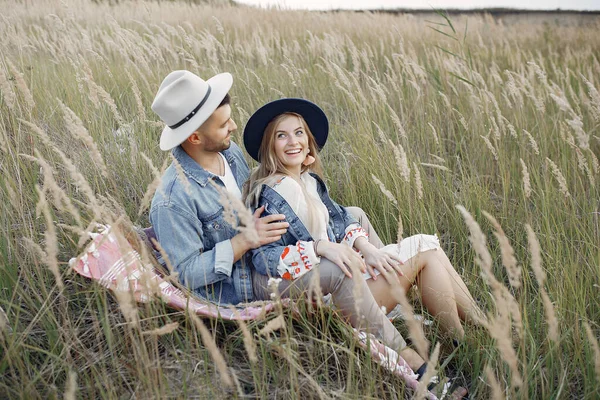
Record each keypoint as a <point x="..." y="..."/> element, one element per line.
<point x="316" y="246"/>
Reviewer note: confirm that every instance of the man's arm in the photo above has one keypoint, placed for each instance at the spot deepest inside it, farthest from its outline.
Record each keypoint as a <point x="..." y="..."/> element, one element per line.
<point x="267" y="230"/>
<point x="179" y="234"/>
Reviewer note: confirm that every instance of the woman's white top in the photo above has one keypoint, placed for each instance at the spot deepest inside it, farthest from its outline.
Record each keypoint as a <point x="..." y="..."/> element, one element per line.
<point x="290" y="189"/>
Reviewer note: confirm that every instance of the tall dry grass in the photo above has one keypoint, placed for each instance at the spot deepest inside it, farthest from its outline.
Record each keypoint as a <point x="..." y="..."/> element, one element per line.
<point x="494" y="115"/>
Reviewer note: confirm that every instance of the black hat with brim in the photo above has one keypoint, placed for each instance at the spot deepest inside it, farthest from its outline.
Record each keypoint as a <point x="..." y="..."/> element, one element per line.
<point x="312" y="114"/>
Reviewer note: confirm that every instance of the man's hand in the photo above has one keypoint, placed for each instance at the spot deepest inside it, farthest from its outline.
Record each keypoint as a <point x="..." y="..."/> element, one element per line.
<point x="268" y="230"/>
<point x="341" y="255"/>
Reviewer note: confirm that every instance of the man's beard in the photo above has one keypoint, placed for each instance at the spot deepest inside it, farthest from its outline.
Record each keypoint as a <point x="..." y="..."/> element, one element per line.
<point x="218" y="146"/>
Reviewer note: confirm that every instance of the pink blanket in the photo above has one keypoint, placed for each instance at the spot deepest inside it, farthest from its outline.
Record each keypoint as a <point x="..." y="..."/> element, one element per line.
<point x="112" y="262"/>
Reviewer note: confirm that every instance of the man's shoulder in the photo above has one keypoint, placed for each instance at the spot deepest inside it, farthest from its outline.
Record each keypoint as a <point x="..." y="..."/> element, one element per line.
<point x="172" y="188"/>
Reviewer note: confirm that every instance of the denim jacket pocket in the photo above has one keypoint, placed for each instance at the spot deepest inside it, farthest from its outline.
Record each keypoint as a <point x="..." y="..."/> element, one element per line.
<point x="216" y="229"/>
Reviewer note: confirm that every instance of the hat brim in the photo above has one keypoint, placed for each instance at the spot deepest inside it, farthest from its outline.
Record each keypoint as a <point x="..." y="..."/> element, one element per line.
<point x="220" y="85"/>
<point x="312" y="114"/>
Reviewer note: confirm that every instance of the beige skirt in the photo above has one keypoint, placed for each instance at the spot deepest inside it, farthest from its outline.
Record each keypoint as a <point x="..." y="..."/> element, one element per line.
<point x="410" y="247"/>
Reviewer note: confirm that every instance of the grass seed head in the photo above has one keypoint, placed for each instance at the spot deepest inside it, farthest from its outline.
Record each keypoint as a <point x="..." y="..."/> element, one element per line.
<point x="496" y="390"/>
<point x="415" y="329"/>
<point x="8" y="93"/>
<point x="163" y="330"/>
<point x="75" y="126"/>
<point x="418" y="182"/>
<point x="21" y="85"/>
<point x="71" y="386"/>
<point x="508" y="254"/>
<point x="526" y="180"/>
<point x="560" y="178"/>
<point x="384" y="190"/>
<point x="430" y="372"/>
<point x="595" y="348"/>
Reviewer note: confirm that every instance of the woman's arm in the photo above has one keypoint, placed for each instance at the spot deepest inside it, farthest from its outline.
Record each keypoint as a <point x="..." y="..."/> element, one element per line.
<point x="288" y="257"/>
<point x="285" y="261"/>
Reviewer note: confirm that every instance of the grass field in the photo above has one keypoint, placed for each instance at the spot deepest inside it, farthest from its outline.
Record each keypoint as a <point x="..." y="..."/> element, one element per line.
<point x="499" y="118"/>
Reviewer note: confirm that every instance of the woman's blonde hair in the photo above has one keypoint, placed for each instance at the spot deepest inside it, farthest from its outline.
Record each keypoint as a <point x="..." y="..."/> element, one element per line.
<point x="270" y="168"/>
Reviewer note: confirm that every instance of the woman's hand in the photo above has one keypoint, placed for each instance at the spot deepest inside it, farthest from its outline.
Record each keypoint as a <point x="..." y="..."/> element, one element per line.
<point x="341" y="255"/>
<point x="387" y="264"/>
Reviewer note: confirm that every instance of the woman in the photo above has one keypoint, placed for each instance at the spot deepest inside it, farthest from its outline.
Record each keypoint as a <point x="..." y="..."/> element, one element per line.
<point x="285" y="137"/>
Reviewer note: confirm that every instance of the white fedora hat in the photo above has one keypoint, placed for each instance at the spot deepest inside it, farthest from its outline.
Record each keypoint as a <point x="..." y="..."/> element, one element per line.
<point x="184" y="101"/>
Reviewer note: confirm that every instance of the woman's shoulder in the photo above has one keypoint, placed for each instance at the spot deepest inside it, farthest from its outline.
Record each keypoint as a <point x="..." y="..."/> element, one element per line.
<point x="310" y="179"/>
<point x="284" y="183"/>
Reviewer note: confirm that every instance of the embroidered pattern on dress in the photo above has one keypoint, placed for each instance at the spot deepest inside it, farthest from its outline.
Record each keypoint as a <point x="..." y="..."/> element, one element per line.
<point x="353" y="232"/>
<point x="296" y="260"/>
<point x="278" y="182"/>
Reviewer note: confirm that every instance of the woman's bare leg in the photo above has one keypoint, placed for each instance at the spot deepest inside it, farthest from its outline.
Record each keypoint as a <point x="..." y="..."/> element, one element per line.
<point x="427" y="271"/>
<point x="468" y="310"/>
<point x="381" y="289"/>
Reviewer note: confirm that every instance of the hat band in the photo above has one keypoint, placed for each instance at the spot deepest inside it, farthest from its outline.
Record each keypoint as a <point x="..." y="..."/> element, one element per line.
<point x="194" y="111"/>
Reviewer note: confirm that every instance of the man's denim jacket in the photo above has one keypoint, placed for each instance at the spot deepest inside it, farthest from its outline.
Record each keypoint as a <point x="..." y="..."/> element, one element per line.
<point x="266" y="258"/>
<point x="190" y="226"/>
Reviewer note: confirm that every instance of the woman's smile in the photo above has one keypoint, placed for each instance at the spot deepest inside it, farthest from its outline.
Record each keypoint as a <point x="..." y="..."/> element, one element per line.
<point x="291" y="143"/>
<point x="293" y="152"/>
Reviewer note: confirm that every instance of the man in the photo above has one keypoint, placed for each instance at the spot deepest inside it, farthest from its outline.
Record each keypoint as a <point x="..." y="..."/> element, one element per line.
<point x="186" y="211"/>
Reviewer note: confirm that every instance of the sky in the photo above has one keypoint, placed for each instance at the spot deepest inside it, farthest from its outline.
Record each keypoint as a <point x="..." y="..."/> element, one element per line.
<point x="375" y="4"/>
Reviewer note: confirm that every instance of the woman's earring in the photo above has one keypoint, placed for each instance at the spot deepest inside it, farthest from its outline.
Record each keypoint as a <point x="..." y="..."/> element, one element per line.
<point x="308" y="160"/>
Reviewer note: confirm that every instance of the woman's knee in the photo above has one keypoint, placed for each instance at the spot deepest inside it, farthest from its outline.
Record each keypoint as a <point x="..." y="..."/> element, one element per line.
<point x="331" y="277"/>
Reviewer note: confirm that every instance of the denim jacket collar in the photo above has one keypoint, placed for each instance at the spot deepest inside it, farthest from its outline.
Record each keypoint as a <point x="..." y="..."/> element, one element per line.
<point x="337" y="225"/>
<point x="195" y="171"/>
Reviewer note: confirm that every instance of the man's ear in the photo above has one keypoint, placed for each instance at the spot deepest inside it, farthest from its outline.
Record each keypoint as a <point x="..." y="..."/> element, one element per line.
<point x="194" y="138"/>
